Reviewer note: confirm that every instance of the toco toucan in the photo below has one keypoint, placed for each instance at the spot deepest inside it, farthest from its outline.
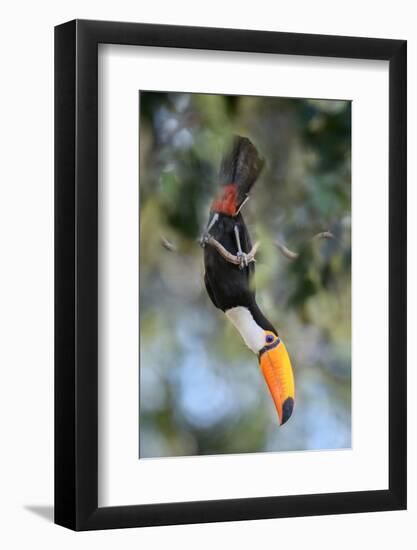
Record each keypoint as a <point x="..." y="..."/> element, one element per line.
<point x="230" y="286"/>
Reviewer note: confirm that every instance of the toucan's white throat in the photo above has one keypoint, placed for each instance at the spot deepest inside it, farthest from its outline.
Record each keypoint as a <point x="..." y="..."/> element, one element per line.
<point x="251" y="332"/>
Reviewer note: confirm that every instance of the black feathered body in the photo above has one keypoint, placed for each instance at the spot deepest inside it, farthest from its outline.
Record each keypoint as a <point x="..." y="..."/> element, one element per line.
<point x="227" y="285"/>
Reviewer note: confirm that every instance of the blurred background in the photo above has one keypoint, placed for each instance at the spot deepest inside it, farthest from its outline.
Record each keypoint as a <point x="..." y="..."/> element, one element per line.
<point x="201" y="390"/>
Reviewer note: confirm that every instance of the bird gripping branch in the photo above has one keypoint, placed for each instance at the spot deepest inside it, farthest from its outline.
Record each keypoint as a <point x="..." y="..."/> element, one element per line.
<point x="229" y="269"/>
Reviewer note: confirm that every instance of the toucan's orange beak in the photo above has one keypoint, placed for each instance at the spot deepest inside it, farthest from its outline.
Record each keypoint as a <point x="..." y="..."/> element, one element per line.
<point x="276" y="368"/>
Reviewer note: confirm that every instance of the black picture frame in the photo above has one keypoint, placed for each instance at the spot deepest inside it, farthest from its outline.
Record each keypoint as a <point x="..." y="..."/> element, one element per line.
<point x="76" y="273"/>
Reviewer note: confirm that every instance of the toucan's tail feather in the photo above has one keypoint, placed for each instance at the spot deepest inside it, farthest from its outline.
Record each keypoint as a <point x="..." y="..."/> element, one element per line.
<point x="241" y="165"/>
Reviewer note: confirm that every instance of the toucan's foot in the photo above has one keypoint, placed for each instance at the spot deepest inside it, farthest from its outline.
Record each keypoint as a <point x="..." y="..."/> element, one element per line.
<point x="243" y="260"/>
<point x="204" y="239"/>
<point x="206" y="235"/>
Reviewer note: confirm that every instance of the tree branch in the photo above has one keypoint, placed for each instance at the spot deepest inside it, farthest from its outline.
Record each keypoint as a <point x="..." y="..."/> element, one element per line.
<point x="294" y="255"/>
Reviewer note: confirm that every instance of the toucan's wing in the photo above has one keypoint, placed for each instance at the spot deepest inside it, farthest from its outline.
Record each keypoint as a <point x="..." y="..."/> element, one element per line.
<point x="210" y="291"/>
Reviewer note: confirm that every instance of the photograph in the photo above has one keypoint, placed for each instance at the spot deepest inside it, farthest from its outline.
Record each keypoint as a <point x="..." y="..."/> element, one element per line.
<point x="244" y="274"/>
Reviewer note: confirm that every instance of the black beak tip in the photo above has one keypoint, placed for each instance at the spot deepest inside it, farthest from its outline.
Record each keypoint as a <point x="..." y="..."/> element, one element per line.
<point x="287" y="409"/>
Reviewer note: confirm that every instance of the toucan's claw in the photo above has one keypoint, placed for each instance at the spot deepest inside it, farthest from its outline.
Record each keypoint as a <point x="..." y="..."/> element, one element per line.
<point x="243" y="260"/>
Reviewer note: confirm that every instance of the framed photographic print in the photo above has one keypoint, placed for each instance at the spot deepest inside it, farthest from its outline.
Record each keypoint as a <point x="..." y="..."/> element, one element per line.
<point x="230" y="252"/>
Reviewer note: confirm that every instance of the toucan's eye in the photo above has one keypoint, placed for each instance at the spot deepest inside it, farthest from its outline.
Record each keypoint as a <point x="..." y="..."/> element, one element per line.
<point x="269" y="338"/>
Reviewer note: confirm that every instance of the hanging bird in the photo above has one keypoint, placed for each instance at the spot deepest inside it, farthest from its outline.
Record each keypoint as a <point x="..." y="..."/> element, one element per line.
<point x="230" y="267"/>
